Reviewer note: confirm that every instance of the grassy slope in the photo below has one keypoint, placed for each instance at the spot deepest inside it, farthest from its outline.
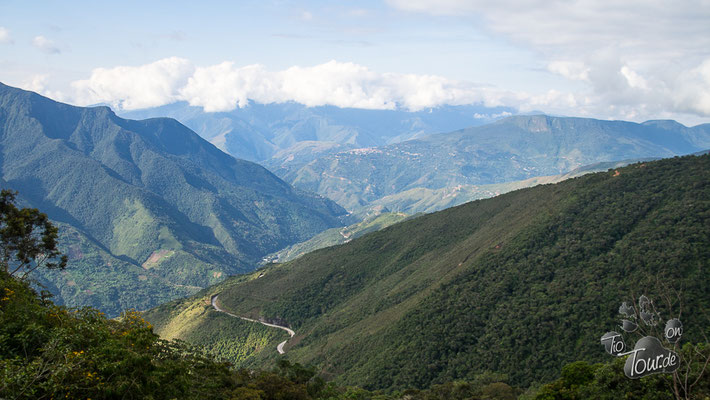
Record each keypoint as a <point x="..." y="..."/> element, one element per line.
<point x="194" y="320"/>
<point x="519" y="284"/>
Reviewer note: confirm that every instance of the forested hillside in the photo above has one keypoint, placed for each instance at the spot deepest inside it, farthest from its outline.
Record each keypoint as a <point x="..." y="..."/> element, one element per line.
<point x="515" y="148"/>
<point x="148" y="211"/>
<point x="520" y="284"/>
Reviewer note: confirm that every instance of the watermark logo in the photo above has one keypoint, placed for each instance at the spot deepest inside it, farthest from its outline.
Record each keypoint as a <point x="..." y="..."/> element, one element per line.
<point x="673" y="331"/>
<point x="648" y="355"/>
<point x="613" y="343"/>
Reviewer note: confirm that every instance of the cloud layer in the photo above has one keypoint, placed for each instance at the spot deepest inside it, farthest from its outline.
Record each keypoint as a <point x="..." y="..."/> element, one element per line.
<point x="225" y="86"/>
<point x="130" y="88"/>
<point x="637" y="57"/>
<point x="617" y="90"/>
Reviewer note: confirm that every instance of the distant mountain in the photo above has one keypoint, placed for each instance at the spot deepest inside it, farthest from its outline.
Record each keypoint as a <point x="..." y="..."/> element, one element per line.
<point x="429" y="200"/>
<point x="378" y="216"/>
<point x="259" y="132"/>
<point x="511" y="149"/>
<point x="519" y="284"/>
<point x="148" y="210"/>
<point x="335" y="236"/>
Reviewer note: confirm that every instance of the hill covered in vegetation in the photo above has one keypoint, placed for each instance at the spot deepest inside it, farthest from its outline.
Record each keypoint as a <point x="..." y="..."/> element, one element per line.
<point x="520" y="284"/>
<point x="148" y="211"/>
<point x="511" y="149"/>
<point x="53" y="352"/>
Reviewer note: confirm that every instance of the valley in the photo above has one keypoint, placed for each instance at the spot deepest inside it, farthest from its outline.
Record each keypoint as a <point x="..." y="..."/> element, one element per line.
<point x="148" y="211"/>
<point x="355" y="200"/>
<point x="428" y="296"/>
<point x="511" y="149"/>
<point x="260" y="132"/>
<point x="424" y="161"/>
<point x="280" y="348"/>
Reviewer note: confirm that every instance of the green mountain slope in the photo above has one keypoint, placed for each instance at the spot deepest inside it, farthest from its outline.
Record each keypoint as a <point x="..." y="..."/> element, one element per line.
<point x="335" y="236"/>
<point x="258" y="132"/>
<point x="154" y="211"/>
<point x="430" y="200"/>
<point x="519" y="284"/>
<point x="512" y="149"/>
<point x="49" y="351"/>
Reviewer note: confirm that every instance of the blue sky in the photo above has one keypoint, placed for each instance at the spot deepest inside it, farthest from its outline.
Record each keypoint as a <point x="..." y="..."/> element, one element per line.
<point x="637" y="60"/>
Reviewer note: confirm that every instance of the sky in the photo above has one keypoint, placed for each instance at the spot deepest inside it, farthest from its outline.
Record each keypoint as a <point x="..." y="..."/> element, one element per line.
<point x="633" y="60"/>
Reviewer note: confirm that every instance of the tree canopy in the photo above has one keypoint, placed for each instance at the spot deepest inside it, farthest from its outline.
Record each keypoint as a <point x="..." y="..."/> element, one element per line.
<point x="28" y="240"/>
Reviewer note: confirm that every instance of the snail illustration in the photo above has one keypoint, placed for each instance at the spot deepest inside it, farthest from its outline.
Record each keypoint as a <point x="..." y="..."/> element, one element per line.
<point x="627" y="310"/>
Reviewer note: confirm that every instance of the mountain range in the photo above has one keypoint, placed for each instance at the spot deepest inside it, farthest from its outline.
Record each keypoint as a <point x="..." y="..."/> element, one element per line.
<point x="259" y="132"/>
<point x="511" y="149"/>
<point x="406" y="162"/>
<point x="519" y="284"/>
<point x="147" y="210"/>
<point x="416" y="201"/>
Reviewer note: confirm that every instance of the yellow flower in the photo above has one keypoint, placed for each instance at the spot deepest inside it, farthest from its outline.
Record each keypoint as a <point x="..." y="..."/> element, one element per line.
<point x="8" y="293"/>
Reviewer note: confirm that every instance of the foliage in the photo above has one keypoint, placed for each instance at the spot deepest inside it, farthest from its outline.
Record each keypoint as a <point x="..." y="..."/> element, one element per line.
<point x="511" y="149"/>
<point x="149" y="211"/>
<point x="520" y="284"/>
<point x="48" y="351"/>
<point x="581" y="380"/>
<point x="28" y="240"/>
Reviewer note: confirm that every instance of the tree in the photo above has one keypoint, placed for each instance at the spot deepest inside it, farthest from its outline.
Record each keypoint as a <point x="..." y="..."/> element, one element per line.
<point x="28" y="240"/>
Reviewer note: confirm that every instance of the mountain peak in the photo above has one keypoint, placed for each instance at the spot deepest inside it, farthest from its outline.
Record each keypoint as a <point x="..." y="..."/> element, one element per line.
<point x="148" y="206"/>
<point x="667" y="124"/>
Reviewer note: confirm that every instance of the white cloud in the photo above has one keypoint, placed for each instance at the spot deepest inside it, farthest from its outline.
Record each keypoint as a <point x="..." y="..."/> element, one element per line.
<point x="639" y="58"/>
<point x="693" y="95"/>
<point x="129" y="88"/>
<point x="633" y="79"/>
<point x="618" y="90"/>
<point x="36" y="83"/>
<point x="574" y="70"/>
<point x="45" y="45"/>
<point x="575" y="26"/>
<point x="225" y="86"/>
<point x="5" y="37"/>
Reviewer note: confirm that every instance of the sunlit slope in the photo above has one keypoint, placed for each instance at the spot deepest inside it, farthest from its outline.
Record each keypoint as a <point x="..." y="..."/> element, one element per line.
<point x="517" y="284"/>
<point x="149" y="197"/>
<point x="512" y="149"/>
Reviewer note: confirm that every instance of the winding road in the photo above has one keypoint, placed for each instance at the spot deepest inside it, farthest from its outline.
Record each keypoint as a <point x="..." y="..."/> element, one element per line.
<point x="279" y="348"/>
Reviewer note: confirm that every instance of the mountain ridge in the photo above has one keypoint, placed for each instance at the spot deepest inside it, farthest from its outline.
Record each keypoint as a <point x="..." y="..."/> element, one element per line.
<point x="511" y="149"/>
<point x="257" y="131"/>
<point x="146" y="190"/>
<point x="519" y="284"/>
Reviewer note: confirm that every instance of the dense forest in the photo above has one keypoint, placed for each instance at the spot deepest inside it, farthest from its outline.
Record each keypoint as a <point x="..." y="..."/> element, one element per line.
<point x="52" y="352"/>
<point x="519" y="285"/>
<point x="520" y="317"/>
